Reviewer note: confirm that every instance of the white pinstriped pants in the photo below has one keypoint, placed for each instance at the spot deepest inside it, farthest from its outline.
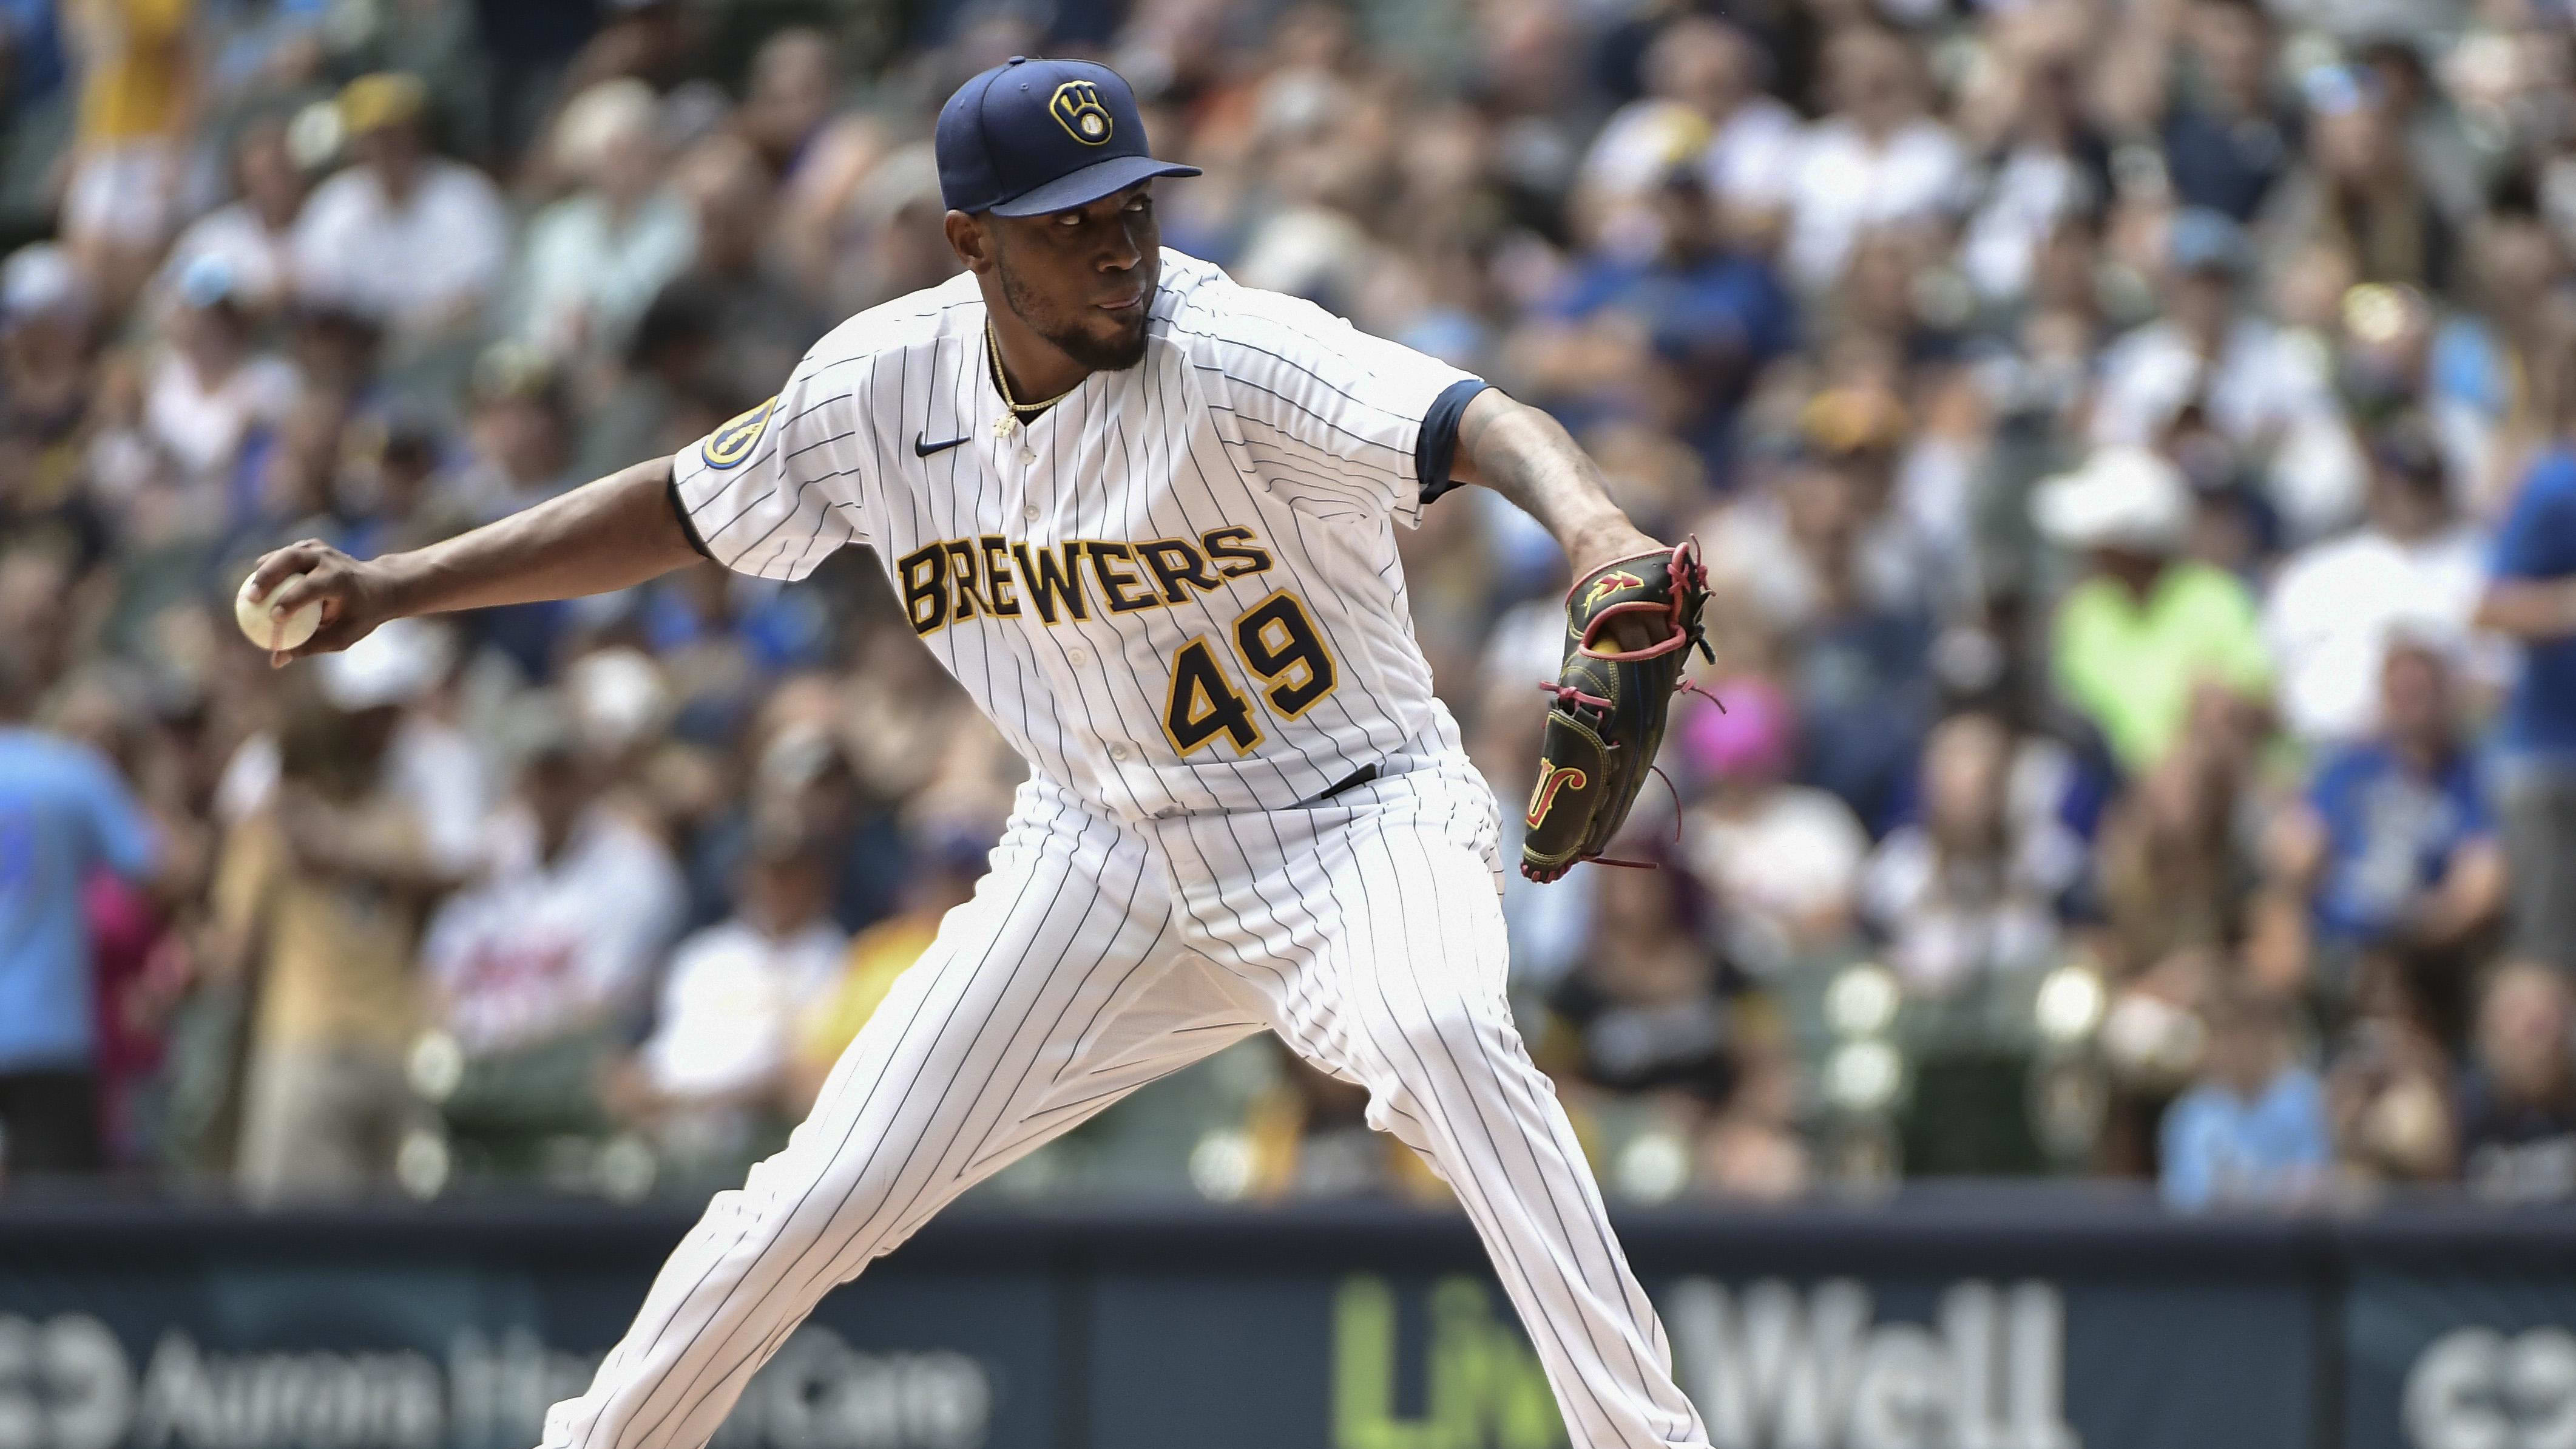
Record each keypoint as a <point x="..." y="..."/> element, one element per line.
<point x="1096" y="957"/>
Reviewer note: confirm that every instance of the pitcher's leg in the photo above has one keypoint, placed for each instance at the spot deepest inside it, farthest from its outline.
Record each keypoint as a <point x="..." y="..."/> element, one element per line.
<point x="1382" y="949"/>
<point x="1040" y="1003"/>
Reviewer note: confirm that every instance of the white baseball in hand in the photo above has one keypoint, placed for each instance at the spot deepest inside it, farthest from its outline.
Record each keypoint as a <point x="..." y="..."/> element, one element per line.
<point x="284" y="631"/>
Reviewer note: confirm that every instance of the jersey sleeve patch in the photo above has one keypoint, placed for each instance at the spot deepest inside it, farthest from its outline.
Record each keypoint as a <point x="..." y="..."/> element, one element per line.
<point x="727" y="446"/>
<point x="775" y="490"/>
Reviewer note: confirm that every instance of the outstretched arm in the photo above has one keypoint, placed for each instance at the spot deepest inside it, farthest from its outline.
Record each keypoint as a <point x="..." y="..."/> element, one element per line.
<point x="2533" y="610"/>
<point x="605" y="535"/>
<point x="1529" y="458"/>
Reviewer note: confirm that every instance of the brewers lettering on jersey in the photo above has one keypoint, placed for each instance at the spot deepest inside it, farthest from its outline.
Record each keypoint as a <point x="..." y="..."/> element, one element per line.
<point x="1146" y="516"/>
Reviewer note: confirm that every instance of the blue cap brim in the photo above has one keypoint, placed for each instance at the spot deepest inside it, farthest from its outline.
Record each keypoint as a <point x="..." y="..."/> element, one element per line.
<point x="1092" y="182"/>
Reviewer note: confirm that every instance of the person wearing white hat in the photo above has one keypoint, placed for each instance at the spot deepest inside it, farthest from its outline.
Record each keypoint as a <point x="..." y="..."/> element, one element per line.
<point x="2148" y="626"/>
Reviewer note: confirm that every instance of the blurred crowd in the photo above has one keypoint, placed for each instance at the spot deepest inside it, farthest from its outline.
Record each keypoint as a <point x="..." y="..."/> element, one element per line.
<point x="2134" y="441"/>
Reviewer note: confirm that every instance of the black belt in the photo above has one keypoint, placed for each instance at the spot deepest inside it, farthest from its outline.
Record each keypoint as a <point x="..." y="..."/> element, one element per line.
<point x="1351" y="781"/>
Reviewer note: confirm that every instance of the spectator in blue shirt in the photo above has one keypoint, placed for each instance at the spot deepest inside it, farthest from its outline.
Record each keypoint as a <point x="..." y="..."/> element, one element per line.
<point x="63" y="813"/>
<point x="2253" y="1131"/>
<point x="2227" y="137"/>
<point x="2394" y="849"/>
<point x="2531" y="596"/>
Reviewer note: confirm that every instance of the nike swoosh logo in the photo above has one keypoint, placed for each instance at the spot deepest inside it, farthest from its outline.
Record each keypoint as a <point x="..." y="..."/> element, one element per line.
<point x="922" y="447"/>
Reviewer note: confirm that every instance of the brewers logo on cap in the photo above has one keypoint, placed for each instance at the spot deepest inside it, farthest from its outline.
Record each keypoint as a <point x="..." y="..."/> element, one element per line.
<point x="731" y="443"/>
<point x="1076" y="107"/>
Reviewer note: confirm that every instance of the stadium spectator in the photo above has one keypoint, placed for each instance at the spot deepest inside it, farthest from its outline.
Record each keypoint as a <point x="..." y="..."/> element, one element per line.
<point x="1751" y="1148"/>
<point x="712" y="1080"/>
<point x="2045" y="160"/>
<point x="2531" y="598"/>
<point x="1973" y="887"/>
<point x="2201" y="74"/>
<point x="762" y="323"/>
<point x="48" y="345"/>
<point x="2172" y="879"/>
<point x="663" y="364"/>
<point x="943" y="880"/>
<point x="791" y="93"/>
<point x="1781" y="861"/>
<point x="211" y="389"/>
<point x="1651" y="1005"/>
<point x="2213" y="363"/>
<point x="2359" y="195"/>
<point x="1877" y="159"/>
<point x="536" y="969"/>
<point x="317" y="908"/>
<point x="2252" y="1132"/>
<point x="2394" y="845"/>
<point x="1698" y="69"/>
<point x="2480" y="347"/>
<point x="591" y="263"/>
<point x="252" y="235"/>
<point x="2389" y="1088"/>
<point x="406" y="238"/>
<point x="129" y="156"/>
<point x="2147" y="630"/>
<point x="1687" y="304"/>
<point x="2517" y="1100"/>
<point x="2414" y="563"/>
<point x="428" y="759"/>
<point x="63" y="813"/>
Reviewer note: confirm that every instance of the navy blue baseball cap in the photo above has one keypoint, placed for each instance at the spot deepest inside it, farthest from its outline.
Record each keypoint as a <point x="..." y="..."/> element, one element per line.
<point x="1034" y="136"/>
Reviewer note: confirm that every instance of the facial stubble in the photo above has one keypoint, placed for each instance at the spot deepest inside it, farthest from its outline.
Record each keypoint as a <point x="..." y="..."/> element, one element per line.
<point x="1092" y="352"/>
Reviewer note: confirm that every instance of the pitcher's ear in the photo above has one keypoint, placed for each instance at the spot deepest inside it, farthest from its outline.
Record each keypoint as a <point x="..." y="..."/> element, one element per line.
<point x="971" y="238"/>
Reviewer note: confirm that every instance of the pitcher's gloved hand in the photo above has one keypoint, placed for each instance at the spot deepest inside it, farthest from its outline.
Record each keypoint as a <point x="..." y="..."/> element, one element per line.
<point x="1630" y="627"/>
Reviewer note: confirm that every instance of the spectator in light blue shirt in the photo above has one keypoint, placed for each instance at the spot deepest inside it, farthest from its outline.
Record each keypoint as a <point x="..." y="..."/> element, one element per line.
<point x="2253" y="1131"/>
<point x="63" y="813"/>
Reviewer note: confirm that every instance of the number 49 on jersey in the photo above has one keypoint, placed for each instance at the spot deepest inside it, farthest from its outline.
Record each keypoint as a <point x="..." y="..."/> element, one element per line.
<point x="1278" y="646"/>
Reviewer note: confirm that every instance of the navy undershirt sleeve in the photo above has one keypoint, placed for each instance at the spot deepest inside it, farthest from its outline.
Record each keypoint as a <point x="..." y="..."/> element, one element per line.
<point x="1437" y="447"/>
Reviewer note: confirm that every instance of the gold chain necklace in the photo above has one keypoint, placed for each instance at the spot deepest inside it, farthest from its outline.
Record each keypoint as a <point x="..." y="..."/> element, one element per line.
<point x="1002" y="379"/>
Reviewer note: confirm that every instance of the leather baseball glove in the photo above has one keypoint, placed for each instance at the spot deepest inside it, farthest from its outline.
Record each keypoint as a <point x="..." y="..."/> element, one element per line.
<point x="1608" y="718"/>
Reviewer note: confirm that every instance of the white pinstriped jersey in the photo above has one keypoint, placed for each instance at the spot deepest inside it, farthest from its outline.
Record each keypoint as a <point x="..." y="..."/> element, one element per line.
<point x="1174" y="591"/>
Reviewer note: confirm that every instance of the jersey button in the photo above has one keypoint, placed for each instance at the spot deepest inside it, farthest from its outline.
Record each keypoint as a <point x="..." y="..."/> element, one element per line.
<point x="1077" y="657"/>
<point x="1028" y="455"/>
<point x="1030" y="513"/>
<point x="1117" y="752"/>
